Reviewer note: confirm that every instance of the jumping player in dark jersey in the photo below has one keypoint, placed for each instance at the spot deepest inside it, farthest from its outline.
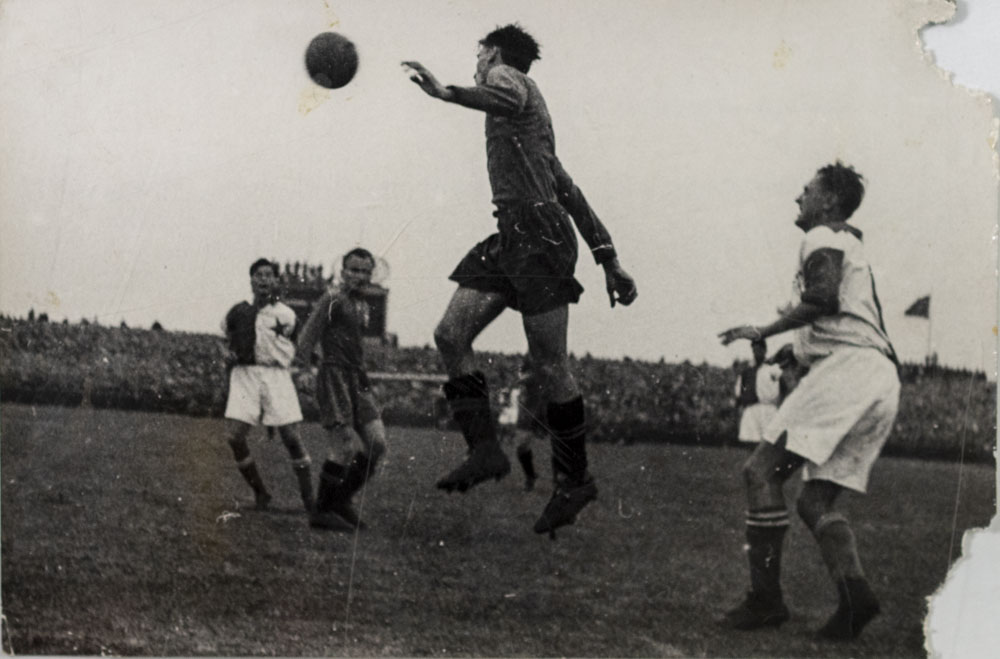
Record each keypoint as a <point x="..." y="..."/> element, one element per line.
<point x="347" y="407"/>
<point x="527" y="265"/>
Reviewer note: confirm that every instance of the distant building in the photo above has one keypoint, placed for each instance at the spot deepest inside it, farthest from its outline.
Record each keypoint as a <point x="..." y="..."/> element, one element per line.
<point x="302" y="284"/>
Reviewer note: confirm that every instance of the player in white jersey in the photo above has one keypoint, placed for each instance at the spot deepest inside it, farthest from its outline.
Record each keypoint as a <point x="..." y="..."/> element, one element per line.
<point x="261" y="343"/>
<point x="757" y="391"/>
<point x="836" y="420"/>
<point x="521" y="417"/>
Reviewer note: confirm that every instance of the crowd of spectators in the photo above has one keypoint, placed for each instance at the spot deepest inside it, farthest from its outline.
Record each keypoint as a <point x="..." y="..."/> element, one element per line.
<point x="944" y="413"/>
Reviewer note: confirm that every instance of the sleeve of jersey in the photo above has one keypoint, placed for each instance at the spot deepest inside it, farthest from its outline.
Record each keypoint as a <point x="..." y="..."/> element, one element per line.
<point x="587" y="223"/>
<point x="296" y="325"/>
<point x="503" y="94"/>
<point x="227" y="321"/>
<point x="311" y="330"/>
<point x="822" y="270"/>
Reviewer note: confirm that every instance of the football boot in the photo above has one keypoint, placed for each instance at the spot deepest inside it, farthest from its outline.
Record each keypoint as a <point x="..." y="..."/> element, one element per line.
<point x="568" y="498"/>
<point x="484" y="461"/>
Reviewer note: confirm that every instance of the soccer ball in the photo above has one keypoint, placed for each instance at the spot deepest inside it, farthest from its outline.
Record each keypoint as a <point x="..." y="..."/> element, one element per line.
<point x="331" y="60"/>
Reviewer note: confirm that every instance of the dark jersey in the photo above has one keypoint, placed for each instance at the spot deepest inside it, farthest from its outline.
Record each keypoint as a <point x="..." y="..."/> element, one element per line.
<point x="521" y="152"/>
<point x="337" y="321"/>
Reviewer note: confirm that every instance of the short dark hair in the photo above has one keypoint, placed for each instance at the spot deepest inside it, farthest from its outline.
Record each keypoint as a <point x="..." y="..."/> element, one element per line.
<point x="260" y="263"/>
<point x="517" y="48"/>
<point x="847" y="184"/>
<point x="359" y="252"/>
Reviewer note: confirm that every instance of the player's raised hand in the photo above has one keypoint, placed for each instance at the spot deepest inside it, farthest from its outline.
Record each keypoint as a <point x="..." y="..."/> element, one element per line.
<point x="425" y="79"/>
<point x="748" y="332"/>
<point x="620" y="285"/>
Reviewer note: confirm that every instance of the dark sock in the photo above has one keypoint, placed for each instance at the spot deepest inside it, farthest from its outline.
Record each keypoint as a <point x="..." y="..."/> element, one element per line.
<point x="526" y="458"/>
<point x="248" y="468"/>
<point x="569" y="438"/>
<point x="358" y="472"/>
<point x="765" y="534"/>
<point x="838" y="547"/>
<point x="331" y="482"/>
<point x="469" y="398"/>
<point x="303" y="474"/>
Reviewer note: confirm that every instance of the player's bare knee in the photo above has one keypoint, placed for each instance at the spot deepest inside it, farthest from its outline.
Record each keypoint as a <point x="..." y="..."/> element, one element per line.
<point x="816" y="501"/>
<point x="809" y="510"/>
<point x="753" y="475"/>
<point x="448" y="339"/>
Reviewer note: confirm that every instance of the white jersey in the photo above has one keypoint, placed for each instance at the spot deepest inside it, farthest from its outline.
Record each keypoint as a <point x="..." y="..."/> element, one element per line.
<point x="857" y="317"/>
<point x="261" y="336"/>
<point x="275" y="324"/>
<point x="509" y="414"/>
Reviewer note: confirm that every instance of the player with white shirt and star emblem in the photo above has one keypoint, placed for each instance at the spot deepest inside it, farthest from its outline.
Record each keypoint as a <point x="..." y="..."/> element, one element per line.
<point x="834" y="423"/>
<point x="261" y="338"/>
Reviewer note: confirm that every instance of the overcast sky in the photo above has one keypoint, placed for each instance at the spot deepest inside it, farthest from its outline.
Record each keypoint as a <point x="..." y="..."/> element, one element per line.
<point x="153" y="150"/>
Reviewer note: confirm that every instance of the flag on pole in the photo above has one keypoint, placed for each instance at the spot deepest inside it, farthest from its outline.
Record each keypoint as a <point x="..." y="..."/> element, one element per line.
<point x="921" y="308"/>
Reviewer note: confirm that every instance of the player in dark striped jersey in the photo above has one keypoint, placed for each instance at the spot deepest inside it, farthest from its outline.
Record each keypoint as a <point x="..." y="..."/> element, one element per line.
<point x="527" y="266"/>
<point x="348" y="410"/>
<point x="836" y="420"/>
<point x="261" y="337"/>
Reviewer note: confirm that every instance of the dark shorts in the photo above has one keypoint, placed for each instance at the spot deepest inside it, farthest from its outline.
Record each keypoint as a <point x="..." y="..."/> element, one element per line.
<point x="530" y="260"/>
<point x="345" y="398"/>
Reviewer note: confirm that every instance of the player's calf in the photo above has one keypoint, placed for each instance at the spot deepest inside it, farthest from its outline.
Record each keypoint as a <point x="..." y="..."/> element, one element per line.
<point x="248" y="469"/>
<point x="527" y="461"/>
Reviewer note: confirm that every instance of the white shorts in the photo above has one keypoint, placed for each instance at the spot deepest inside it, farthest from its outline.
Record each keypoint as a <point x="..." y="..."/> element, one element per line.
<point x="840" y="415"/>
<point x="754" y="420"/>
<point x="262" y="394"/>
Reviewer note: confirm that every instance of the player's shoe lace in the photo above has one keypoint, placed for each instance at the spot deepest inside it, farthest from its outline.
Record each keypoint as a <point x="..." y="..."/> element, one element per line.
<point x="485" y="461"/>
<point x="568" y="499"/>
<point x="756" y="611"/>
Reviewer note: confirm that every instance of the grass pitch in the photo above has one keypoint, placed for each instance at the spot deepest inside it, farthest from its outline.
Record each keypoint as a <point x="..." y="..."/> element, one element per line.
<point x="133" y="534"/>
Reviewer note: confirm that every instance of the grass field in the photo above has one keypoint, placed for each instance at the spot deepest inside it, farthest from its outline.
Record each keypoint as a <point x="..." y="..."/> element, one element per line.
<point x="129" y="533"/>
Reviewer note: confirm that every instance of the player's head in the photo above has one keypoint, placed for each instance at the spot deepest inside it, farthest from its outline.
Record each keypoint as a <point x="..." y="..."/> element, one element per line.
<point x="759" y="348"/>
<point x="845" y="184"/>
<point x="263" y="278"/>
<point x="357" y="266"/>
<point x="834" y="193"/>
<point x="513" y="45"/>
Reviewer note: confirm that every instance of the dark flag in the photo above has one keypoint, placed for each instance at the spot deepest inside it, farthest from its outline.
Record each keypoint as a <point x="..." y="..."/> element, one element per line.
<point x="921" y="308"/>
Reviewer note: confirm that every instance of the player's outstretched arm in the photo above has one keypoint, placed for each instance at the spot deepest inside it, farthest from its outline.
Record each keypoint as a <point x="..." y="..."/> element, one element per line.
<point x="500" y="95"/>
<point x="802" y="314"/>
<point x="426" y="81"/>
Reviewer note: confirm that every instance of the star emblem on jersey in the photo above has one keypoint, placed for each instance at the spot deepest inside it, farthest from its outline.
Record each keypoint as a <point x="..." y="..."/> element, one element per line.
<point x="279" y="327"/>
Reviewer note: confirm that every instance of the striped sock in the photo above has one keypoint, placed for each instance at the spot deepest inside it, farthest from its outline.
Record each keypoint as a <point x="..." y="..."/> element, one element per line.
<point x="765" y="529"/>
